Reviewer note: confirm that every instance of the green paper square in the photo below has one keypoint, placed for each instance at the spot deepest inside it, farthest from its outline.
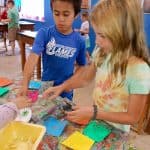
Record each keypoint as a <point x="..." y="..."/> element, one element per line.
<point x="3" y="91"/>
<point x="97" y="130"/>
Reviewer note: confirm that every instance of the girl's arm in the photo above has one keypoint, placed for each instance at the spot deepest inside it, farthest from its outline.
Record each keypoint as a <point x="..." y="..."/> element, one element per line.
<point x="132" y="116"/>
<point x="81" y="77"/>
<point x="8" y="113"/>
<point x="135" y="108"/>
<point x="139" y="91"/>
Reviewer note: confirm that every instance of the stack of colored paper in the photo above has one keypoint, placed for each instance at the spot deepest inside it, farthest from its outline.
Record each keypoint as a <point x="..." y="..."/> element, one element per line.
<point x="34" y="85"/>
<point x="97" y="130"/>
<point x="78" y="141"/>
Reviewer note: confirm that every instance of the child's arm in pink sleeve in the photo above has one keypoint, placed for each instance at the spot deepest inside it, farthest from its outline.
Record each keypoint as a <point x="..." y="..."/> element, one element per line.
<point x="8" y="113"/>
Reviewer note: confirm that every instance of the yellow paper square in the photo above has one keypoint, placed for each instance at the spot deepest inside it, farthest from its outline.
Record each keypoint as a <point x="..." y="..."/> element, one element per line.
<point x="78" y="141"/>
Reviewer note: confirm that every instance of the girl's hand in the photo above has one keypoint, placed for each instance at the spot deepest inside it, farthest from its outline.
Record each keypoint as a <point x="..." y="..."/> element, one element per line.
<point x="22" y="102"/>
<point x="80" y="114"/>
<point x="53" y="92"/>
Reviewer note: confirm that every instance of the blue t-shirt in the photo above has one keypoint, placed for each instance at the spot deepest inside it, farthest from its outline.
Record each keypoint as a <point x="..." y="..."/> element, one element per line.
<point x="59" y="54"/>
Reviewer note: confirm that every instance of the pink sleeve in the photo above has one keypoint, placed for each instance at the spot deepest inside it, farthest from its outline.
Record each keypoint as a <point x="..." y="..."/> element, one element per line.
<point x="8" y="113"/>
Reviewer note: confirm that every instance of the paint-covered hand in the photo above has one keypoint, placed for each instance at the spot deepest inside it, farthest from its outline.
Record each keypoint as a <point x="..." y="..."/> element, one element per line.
<point x="80" y="114"/>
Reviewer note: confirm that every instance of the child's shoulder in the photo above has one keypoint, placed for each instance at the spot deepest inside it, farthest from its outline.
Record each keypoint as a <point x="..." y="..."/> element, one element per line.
<point x="46" y="31"/>
<point x="136" y="61"/>
<point x="136" y="64"/>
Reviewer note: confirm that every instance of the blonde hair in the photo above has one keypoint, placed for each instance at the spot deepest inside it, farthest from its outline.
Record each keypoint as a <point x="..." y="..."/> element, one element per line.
<point x="121" y="21"/>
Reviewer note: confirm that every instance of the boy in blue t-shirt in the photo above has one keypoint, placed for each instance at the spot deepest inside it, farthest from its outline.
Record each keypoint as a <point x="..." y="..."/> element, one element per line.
<point x="59" y="46"/>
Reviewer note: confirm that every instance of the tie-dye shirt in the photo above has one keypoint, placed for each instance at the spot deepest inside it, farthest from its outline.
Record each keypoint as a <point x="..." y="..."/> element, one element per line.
<point x="137" y="81"/>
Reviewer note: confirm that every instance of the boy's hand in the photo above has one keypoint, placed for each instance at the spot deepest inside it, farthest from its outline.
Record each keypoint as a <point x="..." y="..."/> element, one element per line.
<point x="22" y="102"/>
<point x="23" y="91"/>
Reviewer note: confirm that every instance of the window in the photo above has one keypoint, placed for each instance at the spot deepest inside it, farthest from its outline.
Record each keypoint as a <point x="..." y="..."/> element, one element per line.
<point x="31" y="9"/>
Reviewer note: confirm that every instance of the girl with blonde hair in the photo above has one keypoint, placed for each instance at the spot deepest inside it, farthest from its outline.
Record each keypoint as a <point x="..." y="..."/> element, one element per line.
<point x="121" y="66"/>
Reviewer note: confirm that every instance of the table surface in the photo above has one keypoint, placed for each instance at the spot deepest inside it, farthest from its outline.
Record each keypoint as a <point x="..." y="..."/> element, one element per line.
<point x="26" y="22"/>
<point x="27" y="37"/>
<point x="31" y="34"/>
<point x="113" y="141"/>
<point x="20" y="22"/>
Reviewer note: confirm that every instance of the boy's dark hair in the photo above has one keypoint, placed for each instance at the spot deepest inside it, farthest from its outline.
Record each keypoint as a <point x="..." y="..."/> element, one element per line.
<point x="76" y="4"/>
<point x="11" y="1"/>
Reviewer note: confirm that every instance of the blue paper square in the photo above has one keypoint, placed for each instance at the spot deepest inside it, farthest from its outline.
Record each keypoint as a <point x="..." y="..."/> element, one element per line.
<point x="54" y="127"/>
<point x="34" y="85"/>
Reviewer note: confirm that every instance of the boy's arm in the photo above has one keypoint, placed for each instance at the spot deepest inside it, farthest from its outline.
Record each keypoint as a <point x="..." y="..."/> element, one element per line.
<point x="6" y="20"/>
<point x="28" y="70"/>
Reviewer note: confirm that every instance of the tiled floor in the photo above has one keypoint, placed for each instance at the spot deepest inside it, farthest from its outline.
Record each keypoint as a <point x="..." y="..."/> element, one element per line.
<point x="10" y="67"/>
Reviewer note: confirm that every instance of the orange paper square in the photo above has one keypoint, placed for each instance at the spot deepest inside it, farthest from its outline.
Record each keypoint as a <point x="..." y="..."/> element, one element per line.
<point x="4" y="81"/>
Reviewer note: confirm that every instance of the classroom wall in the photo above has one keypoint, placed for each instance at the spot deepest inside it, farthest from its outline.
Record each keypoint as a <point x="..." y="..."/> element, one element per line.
<point x="49" y="21"/>
<point x="147" y="29"/>
<point x="48" y="17"/>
